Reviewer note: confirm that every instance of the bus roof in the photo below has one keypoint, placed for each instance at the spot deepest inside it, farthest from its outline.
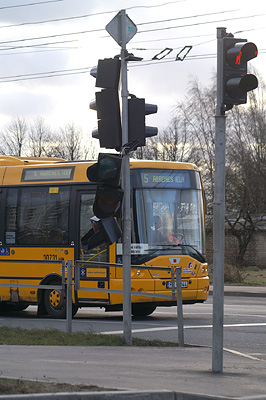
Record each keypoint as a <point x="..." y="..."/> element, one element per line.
<point x="14" y="160"/>
<point x="162" y="164"/>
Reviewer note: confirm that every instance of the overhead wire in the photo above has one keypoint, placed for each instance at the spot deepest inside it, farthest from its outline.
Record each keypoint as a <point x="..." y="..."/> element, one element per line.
<point x="41" y="75"/>
<point x="85" y="69"/>
<point x="82" y="70"/>
<point x="36" y="45"/>
<point x="139" y="31"/>
<point x="87" y="15"/>
<point x="200" y="23"/>
<point x="30" y="4"/>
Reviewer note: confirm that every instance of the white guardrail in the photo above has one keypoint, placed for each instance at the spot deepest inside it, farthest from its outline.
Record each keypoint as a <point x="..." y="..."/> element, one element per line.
<point x="68" y="283"/>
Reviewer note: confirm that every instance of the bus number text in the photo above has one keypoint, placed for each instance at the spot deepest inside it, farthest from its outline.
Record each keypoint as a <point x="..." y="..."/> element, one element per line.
<point x="50" y="257"/>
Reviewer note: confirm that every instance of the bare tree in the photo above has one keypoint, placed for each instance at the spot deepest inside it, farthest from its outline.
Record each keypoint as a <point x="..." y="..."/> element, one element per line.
<point x="40" y="138"/>
<point x="14" y="137"/>
<point x="246" y="171"/>
<point x="195" y="118"/>
<point x="67" y="143"/>
<point x="150" y="151"/>
<point x="91" y="148"/>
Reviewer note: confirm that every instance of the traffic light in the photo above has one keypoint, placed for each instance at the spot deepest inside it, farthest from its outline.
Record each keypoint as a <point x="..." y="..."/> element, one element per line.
<point x="236" y="81"/>
<point x="106" y="103"/>
<point x="107" y="202"/>
<point x="109" y="195"/>
<point x="137" y="130"/>
<point x="102" y="231"/>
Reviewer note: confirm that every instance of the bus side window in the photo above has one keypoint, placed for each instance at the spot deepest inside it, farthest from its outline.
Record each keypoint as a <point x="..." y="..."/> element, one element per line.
<point x="37" y="216"/>
<point x="11" y="216"/>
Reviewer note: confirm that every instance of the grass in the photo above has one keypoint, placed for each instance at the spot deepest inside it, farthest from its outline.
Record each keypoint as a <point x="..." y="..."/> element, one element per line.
<point x="254" y="276"/>
<point x="53" y="337"/>
<point x="19" y="386"/>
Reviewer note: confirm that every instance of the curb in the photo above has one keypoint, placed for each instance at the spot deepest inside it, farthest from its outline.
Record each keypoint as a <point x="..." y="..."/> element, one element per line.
<point x="245" y="291"/>
<point x="121" y="395"/>
<point x="116" y="395"/>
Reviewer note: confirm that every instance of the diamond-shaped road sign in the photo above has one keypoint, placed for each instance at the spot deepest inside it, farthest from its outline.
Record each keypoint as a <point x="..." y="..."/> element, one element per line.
<point x="114" y="28"/>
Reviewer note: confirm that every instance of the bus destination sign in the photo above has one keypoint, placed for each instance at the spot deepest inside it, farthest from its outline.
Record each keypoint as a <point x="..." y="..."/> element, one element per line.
<point x="166" y="178"/>
<point x="47" y="174"/>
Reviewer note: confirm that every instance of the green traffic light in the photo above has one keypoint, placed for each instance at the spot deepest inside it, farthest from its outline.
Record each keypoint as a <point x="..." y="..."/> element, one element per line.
<point x="106" y="170"/>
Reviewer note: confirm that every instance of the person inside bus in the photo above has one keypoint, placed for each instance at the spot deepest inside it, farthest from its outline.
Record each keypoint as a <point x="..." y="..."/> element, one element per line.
<point x="156" y="236"/>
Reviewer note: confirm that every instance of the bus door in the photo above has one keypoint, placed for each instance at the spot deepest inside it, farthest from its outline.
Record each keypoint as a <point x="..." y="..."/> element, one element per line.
<point x="89" y="276"/>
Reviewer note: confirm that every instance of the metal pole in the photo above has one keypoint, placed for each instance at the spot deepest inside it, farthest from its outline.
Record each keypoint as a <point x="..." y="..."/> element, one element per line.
<point x="69" y="297"/>
<point x="219" y="216"/>
<point x="180" y="323"/>
<point x="126" y="186"/>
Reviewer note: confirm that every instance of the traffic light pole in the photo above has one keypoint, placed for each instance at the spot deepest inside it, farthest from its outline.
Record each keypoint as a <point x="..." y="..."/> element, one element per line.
<point x="219" y="216"/>
<point x="126" y="186"/>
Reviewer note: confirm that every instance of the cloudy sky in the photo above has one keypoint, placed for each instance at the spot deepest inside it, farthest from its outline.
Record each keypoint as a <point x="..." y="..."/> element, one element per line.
<point x="47" y="48"/>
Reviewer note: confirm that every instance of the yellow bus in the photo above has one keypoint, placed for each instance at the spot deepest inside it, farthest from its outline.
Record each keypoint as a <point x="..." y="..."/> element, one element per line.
<point x="45" y="210"/>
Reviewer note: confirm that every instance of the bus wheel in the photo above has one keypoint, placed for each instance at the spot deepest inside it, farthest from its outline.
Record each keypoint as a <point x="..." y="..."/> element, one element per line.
<point x="142" y="310"/>
<point x="55" y="302"/>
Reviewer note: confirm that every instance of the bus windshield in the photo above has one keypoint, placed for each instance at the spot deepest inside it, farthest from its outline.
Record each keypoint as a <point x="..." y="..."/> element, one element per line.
<point x="169" y="218"/>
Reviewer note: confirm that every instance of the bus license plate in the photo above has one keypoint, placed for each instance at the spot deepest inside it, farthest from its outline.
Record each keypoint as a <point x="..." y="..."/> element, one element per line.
<point x="184" y="284"/>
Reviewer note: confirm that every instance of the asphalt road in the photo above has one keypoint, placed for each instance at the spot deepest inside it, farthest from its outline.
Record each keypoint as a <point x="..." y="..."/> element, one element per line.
<point x="244" y="323"/>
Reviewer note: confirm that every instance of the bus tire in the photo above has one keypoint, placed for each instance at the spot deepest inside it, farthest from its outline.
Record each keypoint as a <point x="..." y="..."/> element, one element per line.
<point x="142" y="310"/>
<point x="55" y="302"/>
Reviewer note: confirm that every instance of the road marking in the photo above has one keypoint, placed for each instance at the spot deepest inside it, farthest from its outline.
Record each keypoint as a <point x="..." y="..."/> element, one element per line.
<point x="242" y="354"/>
<point x="170" y="328"/>
<point x="62" y="361"/>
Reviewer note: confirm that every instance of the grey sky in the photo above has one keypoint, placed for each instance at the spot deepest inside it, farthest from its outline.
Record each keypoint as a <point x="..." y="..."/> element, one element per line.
<point x="161" y="24"/>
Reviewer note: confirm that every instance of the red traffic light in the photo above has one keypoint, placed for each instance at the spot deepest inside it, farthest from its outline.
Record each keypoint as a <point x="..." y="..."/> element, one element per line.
<point x="236" y="81"/>
<point x="240" y="54"/>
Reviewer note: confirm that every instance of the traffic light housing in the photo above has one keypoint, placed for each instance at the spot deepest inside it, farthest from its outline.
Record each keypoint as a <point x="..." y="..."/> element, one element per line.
<point x="137" y="130"/>
<point x="107" y="202"/>
<point x="106" y="103"/>
<point x="109" y="195"/>
<point x="236" y="81"/>
<point x="102" y="231"/>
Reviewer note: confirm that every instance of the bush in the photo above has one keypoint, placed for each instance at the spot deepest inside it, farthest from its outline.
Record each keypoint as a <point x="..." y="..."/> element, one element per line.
<point x="232" y="274"/>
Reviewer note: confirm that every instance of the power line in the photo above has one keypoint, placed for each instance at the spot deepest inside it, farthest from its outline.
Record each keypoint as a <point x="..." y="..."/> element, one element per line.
<point x="30" y="4"/>
<point x="83" y="70"/>
<point x="51" y="36"/>
<point x="39" y="50"/>
<point x="143" y="31"/>
<point x="187" y="17"/>
<point x="85" y="15"/>
<point x="41" y="75"/>
<point x="156" y="5"/>
<point x="200" y="23"/>
<point x="36" y="45"/>
<point x="55" y="19"/>
<point x="172" y="38"/>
